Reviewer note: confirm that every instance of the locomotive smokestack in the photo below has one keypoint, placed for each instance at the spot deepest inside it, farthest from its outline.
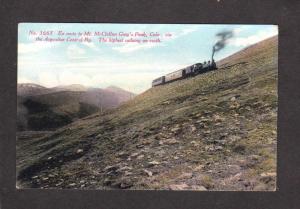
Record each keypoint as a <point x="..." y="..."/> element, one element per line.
<point x="221" y="43"/>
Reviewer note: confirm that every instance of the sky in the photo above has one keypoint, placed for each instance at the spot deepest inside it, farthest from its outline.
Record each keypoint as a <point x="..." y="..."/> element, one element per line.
<point x="131" y="66"/>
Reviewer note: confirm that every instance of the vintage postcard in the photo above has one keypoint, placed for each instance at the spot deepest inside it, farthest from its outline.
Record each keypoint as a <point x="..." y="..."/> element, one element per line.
<point x="147" y="106"/>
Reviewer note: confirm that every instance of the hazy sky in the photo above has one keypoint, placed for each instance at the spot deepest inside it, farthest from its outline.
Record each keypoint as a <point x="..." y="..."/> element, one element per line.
<point x="131" y="66"/>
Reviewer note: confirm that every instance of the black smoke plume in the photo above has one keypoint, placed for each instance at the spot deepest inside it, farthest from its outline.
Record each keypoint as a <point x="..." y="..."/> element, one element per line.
<point x="223" y="37"/>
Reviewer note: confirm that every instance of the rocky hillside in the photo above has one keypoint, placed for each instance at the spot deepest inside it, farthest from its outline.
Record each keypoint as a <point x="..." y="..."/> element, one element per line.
<point x="215" y="131"/>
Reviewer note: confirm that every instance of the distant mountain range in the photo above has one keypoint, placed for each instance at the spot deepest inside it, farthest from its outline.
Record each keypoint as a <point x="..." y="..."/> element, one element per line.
<point x="41" y="108"/>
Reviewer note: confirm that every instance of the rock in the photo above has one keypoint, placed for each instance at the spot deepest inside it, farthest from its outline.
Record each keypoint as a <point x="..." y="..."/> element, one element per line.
<point x="45" y="178"/>
<point x="34" y="177"/>
<point x="49" y="158"/>
<point x="235" y="105"/>
<point x="199" y="188"/>
<point x="206" y="132"/>
<point x="223" y="135"/>
<point x="140" y="146"/>
<point x="58" y="184"/>
<point x="140" y="157"/>
<point x="218" y="148"/>
<point x="182" y="186"/>
<point x="206" y="112"/>
<point x="175" y="157"/>
<point x="198" y="115"/>
<point x="127" y="173"/>
<point x="79" y="151"/>
<point x="107" y="182"/>
<point x="193" y="128"/>
<point x="72" y="184"/>
<point x="271" y="174"/>
<point x="246" y="183"/>
<point x="234" y="138"/>
<point x="208" y="148"/>
<point x="232" y="99"/>
<point x="171" y="141"/>
<point x="82" y="181"/>
<point x="147" y="142"/>
<point x="194" y="143"/>
<point x="134" y="154"/>
<point x="248" y="108"/>
<point x="149" y="173"/>
<point x="166" y="102"/>
<point x="93" y="182"/>
<point x="260" y="187"/>
<point x="123" y="184"/>
<point x="267" y="177"/>
<point x="199" y="168"/>
<point x="211" y="148"/>
<point x="125" y="168"/>
<point x="111" y="168"/>
<point x="51" y="176"/>
<point x="175" y="130"/>
<point x="122" y="154"/>
<point x="153" y="163"/>
<point x="203" y="119"/>
<point x="222" y="142"/>
<point x="255" y="157"/>
<point x="186" y="176"/>
<point x="239" y="148"/>
<point x="218" y="118"/>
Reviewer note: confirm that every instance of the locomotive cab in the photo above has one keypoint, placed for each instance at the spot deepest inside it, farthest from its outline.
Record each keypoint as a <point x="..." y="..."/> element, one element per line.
<point x="213" y="65"/>
<point x="197" y="68"/>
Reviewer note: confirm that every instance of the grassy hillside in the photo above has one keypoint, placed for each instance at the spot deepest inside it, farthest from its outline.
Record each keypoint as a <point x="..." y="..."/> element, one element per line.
<point x="216" y="131"/>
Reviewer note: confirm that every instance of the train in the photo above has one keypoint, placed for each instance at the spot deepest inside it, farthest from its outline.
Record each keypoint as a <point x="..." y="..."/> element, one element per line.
<point x="189" y="71"/>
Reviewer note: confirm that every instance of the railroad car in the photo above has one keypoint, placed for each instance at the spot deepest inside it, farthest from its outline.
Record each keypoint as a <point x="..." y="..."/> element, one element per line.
<point x="158" y="81"/>
<point x="175" y="75"/>
<point x="192" y="70"/>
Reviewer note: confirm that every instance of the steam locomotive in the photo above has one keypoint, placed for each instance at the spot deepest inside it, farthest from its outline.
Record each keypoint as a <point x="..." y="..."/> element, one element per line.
<point x="189" y="71"/>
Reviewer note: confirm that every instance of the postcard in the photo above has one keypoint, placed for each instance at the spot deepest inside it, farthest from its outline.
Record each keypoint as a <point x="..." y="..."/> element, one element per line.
<point x="147" y="106"/>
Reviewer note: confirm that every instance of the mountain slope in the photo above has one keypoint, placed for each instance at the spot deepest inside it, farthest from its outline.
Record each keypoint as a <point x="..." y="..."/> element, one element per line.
<point x="122" y="94"/>
<point x="29" y="89"/>
<point x="72" y="87"/>
<point x="216" y="131"/>
<point x="51" y="111"/>
<point x="41" y="108"/>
